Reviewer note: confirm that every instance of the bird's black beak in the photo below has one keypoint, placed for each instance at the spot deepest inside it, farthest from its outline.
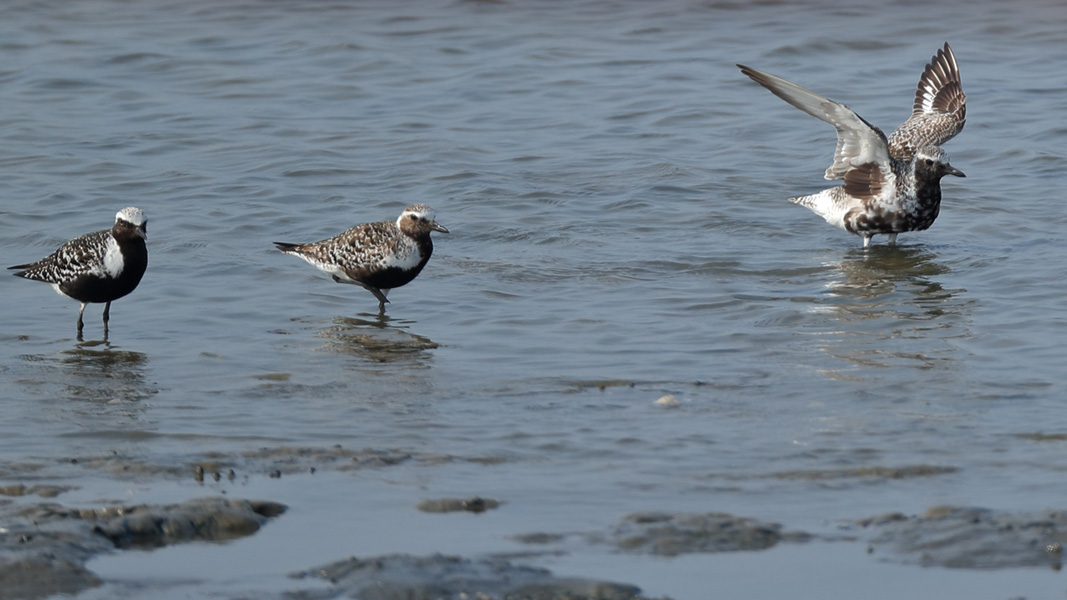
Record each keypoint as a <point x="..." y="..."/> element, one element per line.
<point x="950" y="170"/>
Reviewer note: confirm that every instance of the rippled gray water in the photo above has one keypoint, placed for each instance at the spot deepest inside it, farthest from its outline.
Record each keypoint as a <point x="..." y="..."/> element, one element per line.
<point x="616" y="194"/>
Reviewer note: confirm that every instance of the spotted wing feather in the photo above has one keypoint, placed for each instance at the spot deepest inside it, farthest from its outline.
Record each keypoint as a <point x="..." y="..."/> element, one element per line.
<point x="81" y="256"/>
<point x="357" y="252"/>
<point x="939" y="111"/>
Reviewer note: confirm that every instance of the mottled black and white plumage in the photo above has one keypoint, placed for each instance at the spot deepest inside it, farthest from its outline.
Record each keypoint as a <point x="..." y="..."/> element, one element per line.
<point x="102" y="266"/>
<point x="893" y="184"/>
<point x="377" y="256"/>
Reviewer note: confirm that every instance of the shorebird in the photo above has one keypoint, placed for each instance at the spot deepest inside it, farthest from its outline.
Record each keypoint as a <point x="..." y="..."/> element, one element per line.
<point x="893" y="184"/>
<point x="377" y="256"/>
<point x="102" y="266"/>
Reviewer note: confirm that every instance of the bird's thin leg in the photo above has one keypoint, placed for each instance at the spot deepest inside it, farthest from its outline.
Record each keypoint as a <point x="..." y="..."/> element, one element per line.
<point x="866" y="241"/>
<point x="107" y="317"/>
<point x="81" y="324"/>
<point x="379" y="295"/>
<point x="892" y="239"/>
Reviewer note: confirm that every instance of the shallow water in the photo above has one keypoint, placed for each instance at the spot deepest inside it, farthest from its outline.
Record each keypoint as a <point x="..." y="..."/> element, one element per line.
<point x="616" y="194"/>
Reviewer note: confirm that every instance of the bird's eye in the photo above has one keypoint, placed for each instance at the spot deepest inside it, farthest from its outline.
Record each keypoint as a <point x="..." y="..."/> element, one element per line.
<point x="414" y="217"/>
<point x="929" y="162"/>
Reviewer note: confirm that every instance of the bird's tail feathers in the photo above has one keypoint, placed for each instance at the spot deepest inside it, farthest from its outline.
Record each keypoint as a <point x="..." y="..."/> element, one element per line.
<point x="825" y="204"/>
<point x="22" y="270"/>
<point x="287" y="247"/>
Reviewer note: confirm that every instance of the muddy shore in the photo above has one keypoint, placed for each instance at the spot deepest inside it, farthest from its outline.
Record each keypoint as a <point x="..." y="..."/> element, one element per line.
<point x="46" y="543"/>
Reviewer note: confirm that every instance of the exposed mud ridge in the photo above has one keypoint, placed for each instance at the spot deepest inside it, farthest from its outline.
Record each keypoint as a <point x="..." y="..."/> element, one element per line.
<point x="272" y="461"/>
<point x="671" y="534"/>
<point x="874" y="474"/>
<point x="971" y="538"/>
<point x="44" y="547"/>
<point x="441" y="577"/>
<point x="1040" y="436"/>
<point x="664" y="533"/>
<point x="44" y="491"/>
<point x="868" y="473"/>
<point x="442" y="505"/>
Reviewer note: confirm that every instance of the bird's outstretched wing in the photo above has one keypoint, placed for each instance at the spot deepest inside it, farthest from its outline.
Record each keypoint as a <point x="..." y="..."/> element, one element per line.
<point x="858" y="141"/>
<point x="939" y="111"/>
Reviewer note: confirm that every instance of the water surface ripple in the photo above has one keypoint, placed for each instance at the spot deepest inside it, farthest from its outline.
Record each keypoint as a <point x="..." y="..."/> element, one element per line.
<point x="616" y="194"/>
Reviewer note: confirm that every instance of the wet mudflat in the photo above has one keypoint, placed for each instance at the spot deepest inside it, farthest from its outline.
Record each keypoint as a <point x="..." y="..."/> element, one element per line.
<point x="631" y="370"/>
<point x="49" y="546"/>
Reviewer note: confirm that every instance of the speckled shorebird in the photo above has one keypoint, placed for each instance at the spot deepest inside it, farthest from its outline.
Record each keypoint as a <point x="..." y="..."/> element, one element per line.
<point x="378" y="256"/>
<point x="102" y="266"/>
<point x="893" y="184"/>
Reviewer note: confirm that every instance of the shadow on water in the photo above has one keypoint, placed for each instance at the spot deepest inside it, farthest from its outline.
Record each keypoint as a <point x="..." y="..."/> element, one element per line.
<point x="378" y="340"/>
<point x="889" y="309"/>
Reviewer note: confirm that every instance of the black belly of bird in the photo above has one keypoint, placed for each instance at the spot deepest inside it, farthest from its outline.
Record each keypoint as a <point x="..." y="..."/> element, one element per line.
<point x="929" y="200"/>
<point x="93" y="288"/>
<point x="393" y="277"/>
<point x="923" y="218"/>
<point x="873" y="221"/>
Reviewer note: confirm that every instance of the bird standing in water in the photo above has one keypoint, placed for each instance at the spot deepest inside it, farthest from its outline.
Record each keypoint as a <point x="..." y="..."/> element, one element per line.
<point x="377" y="256"/>
<point x="102" y="266"/>
<point x="893" y="184"/>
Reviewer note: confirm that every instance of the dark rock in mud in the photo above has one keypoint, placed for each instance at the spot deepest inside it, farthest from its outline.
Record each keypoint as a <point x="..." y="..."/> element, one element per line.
<point x="474" y="505"/>
<point x="146" y="526"/>
<point x="441" y="577"/>
<point x="38" y="562"/>
<point x="208" y="519"/>
<point x="42" y="575"/>
<point x="972" y="538"/>
<point x="670" y="534"/>
<point x="539" y="537"/>
<point x="44" y="547"/>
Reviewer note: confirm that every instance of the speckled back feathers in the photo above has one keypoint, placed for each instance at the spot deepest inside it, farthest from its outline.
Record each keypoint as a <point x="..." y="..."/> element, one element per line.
<point x="107" y="254"/>
<point x="378" y="256"/>
<point x="80" y="256"/>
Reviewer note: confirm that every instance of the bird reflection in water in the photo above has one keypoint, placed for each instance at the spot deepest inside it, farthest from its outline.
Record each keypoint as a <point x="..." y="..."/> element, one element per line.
<point x="890" y="282"/>
<point x="103" y="385"/>
<point x="100" y="372"/>
<point x="889" y="309"/>
<point x="378" y="340"/>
